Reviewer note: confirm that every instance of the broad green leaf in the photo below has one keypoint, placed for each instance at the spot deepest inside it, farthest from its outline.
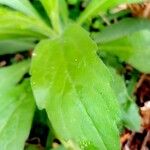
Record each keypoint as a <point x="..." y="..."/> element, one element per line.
<point x="52" y="9"/>
<point x="100" y="6"/>
<point x="15" y="25"/>
<point x="21" y="5"/>
<point x="130" y="113"/>
<point x="12" y="46"/>
<point x="129" y="40"/>
<point x="16" y="113"/>
<point x="11" y="75"/>
<point x="73" y="85"/>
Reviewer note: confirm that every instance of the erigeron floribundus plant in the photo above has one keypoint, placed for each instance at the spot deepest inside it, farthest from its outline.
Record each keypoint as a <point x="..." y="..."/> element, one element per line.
<point x="68" y="79"/>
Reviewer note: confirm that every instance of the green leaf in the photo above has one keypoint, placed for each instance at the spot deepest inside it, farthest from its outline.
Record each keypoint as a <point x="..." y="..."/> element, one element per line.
<point x="130" y="113"/>
<point x="63" y="11"/>
<point x="121" y="29"/>
<point x="16" y="113"/>
<point x="15" y="25"/>
<point x="99" y="7"/>
<point x="73" y="85"/>
<point x="17" y="107"/>
<point x="11" y="75"/>
<point x="57" y="11"/>
<point x="13" y="46"/>
<point x="52" y="9"/>
<point x="129" y="40"/>
<point x="21" y="5"/>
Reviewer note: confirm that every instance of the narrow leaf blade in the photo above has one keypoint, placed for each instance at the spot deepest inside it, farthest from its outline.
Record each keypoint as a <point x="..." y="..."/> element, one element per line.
<point x="100" y="6"/>
<point x="12" y="46"/>
<point x="17" y="107"/>
<point x="21" y="5"/>
<point x="16" y="113"/>
<point x="52" y="9"/>
<point x="11" y="75"/>
<point x="15" y="25"/>
<point x="130" y="113"/>
<point x="129" y="44"/>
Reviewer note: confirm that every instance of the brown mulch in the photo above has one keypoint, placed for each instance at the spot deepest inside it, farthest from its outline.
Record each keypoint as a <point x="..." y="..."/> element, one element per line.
<point x="140" y="140"/>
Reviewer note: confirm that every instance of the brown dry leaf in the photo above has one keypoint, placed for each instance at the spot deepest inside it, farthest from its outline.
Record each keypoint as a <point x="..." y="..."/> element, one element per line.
<point x="125" y="137"/>
<point x="145" y="113"/>
<point x="142" y="89"/>
<point x="19" y="57"/>
<point x="140" y="10"/>
<point x="3" y="63"/>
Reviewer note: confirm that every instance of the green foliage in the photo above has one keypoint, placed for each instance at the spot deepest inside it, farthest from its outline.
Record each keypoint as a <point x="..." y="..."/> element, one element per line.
<point x="129" y="109"/>
<point x="76" y="89"/>
<point x="65" y="81"/>
<point x="100" y="6"/>
<point x="63" y="11"/>
<point x="18" y="31"/>
<point x="21" y="5"/>
<point x="51" y="7"/>
<point x="15" y="25"/>
<point x="16" y="109"/>
<point x="124" y="93"/>
<point x="16" y="116"/>
<point x="129" y="40"/>
<point x="13" y="46"/>
<point x="11" y="75"/>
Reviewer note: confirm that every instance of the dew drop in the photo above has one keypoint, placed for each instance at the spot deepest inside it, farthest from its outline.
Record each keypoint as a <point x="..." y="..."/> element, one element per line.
<point x="33" y="83"/>
<point x="33" y="54"/>
<point x="76" y="60"/>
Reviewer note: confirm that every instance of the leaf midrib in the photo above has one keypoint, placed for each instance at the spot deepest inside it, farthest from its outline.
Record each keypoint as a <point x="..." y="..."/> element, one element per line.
<point x="77" y="94"/>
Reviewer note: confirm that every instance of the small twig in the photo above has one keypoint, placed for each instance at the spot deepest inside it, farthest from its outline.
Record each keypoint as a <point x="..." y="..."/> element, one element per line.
<point x="139" y="82"/>
<point x="125" y="137"/>
<point x="131" y="138"/>
<point x="35" y="139"/>
<point x="105" y="20"/>
<point x="143" y="147"/>
<point x="126" y="147"/>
